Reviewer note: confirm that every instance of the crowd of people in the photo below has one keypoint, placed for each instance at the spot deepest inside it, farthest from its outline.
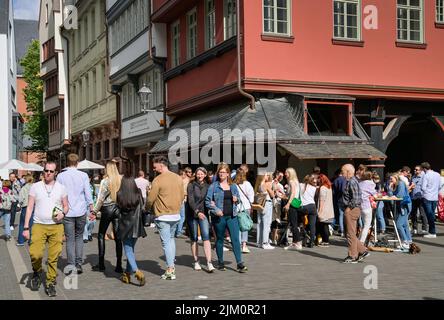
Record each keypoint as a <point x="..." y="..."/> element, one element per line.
<point x="205" y="206"/>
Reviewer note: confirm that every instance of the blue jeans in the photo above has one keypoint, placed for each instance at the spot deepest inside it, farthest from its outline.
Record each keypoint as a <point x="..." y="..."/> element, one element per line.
<point x="264" y="224"/>
<point x="243" y="236"/>
<point x="179" y="230"/>
<point x="89" y="227"/>
<point x="380" y="215"/>
<point x="341" y="219"/>
<point x="7" y="219"/>
<point x="167" y="230"/>
<point x="21" y="239"/>
<point x="128" y="246"/>
<point x="402" y="224"/>
<point x="429" y="208"/>
<point x="221" y="224"/>
<point x="204" y="225"/>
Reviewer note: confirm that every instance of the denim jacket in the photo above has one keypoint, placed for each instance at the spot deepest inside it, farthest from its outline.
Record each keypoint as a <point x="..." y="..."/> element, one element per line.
<point x="216" y="193"/>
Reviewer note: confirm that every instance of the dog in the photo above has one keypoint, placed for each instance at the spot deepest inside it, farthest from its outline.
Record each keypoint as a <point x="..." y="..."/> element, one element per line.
<point x="414" y="249"/>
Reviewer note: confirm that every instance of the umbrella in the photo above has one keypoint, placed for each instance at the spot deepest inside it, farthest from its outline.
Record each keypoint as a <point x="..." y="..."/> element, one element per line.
<point x="14" y="164"/>
<point x="34" y="167"/>
<point x="89" y="165"/>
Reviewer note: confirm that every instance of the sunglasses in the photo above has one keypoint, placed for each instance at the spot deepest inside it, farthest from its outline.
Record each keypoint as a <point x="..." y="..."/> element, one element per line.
<point x="49" y="171"/>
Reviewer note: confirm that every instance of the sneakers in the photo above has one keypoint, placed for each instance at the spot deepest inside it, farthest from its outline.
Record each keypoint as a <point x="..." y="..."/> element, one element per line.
<point x="241" y="268"/>
<point x="267" y="246"/>
<point x="350" y="260"/>
<point x="20" y="244"/>
<point x="430" y="236"/>
<point x="293" y="246"/>
<point x="210" y="267"/>
<point x="36" y="281"/>
<point x="50" y="290"/>
<point x="324" y="244"/>
<point x="245" y="249"/>
<point x="79" y="269"/>
<point x="169" y="275"/>
<point x="405" y="246"/>
<point x="226" y="249"/>
<point x="363" y="255"/>
<point x="221" y="267"/>
<point x="415" y="231"/>
<point x="11" y="228"/>
<point x="196" y="266"/>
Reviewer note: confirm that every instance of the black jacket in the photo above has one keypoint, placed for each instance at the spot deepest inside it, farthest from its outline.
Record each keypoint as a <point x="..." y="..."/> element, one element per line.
<point x="196" y="198"/>
<point x="130" y="223"/>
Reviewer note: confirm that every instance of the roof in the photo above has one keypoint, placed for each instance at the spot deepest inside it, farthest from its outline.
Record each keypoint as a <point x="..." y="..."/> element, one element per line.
<point x="333" y="151"/>
<point x="4" y="16"/>
<point x="25" y="32"/>
<point x="285" y="115"/>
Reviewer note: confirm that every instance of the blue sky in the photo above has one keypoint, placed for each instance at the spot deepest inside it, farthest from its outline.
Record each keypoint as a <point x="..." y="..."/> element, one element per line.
<point x="26" y="9"/>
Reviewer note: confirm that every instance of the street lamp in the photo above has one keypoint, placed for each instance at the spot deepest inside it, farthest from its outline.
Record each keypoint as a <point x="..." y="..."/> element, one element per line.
<point x="85" y="135"/>
<point x="144" y="95"/>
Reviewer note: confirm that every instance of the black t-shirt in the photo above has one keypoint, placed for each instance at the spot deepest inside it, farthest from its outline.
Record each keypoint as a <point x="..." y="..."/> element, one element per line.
<point x="228" y="203"/>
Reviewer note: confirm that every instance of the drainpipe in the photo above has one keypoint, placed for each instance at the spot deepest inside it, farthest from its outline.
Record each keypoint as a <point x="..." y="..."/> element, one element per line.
<point x="159" y="62"/>
<point x="66" y="101"/>
<point x="239" y="80"/>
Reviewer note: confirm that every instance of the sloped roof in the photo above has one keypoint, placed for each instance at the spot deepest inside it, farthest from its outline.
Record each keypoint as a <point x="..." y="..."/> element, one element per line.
<point x="25" y="32"/>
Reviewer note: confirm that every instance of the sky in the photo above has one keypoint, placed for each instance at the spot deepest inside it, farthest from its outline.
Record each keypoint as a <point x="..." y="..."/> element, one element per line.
<point x="26" y="9"/>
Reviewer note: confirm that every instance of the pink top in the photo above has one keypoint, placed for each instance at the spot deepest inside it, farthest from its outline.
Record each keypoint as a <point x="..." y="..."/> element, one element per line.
<point x="143" y="185"/>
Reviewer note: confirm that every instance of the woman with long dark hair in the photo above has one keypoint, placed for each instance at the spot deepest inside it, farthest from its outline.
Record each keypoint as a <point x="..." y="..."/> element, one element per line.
<point x="130" y="227"/>
<point x="106" y="204"/>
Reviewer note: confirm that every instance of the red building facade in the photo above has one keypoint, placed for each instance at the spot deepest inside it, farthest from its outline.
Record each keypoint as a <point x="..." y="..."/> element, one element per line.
<point x="375" y="62"/>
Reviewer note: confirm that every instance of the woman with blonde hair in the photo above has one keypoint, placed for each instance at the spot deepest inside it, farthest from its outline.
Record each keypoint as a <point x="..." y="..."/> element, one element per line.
<point x="106" y="204"/>
<point x="246" y="193"/>
<point x="294" y="214"/>
<point x="398" y="189"/>
<point x="264" y="186"/>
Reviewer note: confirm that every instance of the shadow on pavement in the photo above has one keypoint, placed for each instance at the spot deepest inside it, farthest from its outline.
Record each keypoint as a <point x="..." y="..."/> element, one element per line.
<point x="318" y="255"/>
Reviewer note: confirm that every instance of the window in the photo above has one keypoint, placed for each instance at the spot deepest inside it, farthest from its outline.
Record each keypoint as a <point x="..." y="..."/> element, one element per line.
<point x="440" y="11"/>
<point x="192" y="34"/>
<point x="93" y="24"/>
<point x="54" y="124"/>
<point x="210" y="24"/>
<point x="277" y="17"/>
<point x="93" y="87"/>
<point x="115" y="147"/>
<point x="229" y="19"/>
<point x="90" y="152"/>
<point x="87" y="90"/>
<point x="107" y="149"/>
<point x="48" y="49"/>
<point x="46" y="13"/>
<point x="51" y="86"/>
<point x="104" y="79"/>
<point x="86" y="33"/>
<point x="129" y="24"/>
<point x="13" y="96"/>
<point x="410" y="21"/>
<point x="98" y="150"/>
<point x="347" y="19"/>
<point x="175" y="44"/>
<point x="327" y="119"/>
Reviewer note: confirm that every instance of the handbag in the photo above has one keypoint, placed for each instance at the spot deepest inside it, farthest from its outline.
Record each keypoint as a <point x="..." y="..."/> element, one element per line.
<point x="244" y="218"/>
<point x="296" y="202"/>
<point x="373" y="203"/>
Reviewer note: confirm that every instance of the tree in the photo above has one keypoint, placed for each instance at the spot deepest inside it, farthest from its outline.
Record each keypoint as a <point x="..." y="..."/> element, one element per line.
<point x="36" y="126"/>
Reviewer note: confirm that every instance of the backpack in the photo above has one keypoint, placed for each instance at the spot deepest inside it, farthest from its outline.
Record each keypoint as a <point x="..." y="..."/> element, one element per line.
<point x="5" y="201"/>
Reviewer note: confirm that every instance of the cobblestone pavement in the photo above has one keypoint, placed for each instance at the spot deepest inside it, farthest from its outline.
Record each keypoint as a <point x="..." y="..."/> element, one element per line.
<point x="273" y="274"/>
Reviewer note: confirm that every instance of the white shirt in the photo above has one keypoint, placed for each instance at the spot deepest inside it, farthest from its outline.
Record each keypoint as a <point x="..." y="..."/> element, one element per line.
<point x="46" y="198"/>
<point x="307" y="196"/>
<point x="143" y="185"/>
<point x="247" y="188"/>
<point x="405" y="180"/>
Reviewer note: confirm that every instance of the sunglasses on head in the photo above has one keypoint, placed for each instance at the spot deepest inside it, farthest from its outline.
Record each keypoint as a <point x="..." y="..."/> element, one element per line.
<point x="49" y="171"/>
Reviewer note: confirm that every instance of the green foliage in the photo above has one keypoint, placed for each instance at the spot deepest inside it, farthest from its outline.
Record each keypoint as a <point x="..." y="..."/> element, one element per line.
<point x="36" y="126"/>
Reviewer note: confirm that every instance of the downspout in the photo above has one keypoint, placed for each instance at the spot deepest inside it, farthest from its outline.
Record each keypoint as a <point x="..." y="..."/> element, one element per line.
<point x="66" y="101"/>
<point x="239" y="79"/>
<point x="159" y="62"/>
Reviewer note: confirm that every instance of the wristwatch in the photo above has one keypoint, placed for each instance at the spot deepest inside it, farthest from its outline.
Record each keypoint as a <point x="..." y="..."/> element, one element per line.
<point x="25" y="229"/>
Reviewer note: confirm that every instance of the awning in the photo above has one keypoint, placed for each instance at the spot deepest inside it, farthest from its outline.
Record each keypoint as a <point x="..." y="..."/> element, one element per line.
<point x="304" y="151"/>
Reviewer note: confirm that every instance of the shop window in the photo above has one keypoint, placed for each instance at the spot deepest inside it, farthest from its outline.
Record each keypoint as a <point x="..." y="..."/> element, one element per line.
<point x="328" y="119"/>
